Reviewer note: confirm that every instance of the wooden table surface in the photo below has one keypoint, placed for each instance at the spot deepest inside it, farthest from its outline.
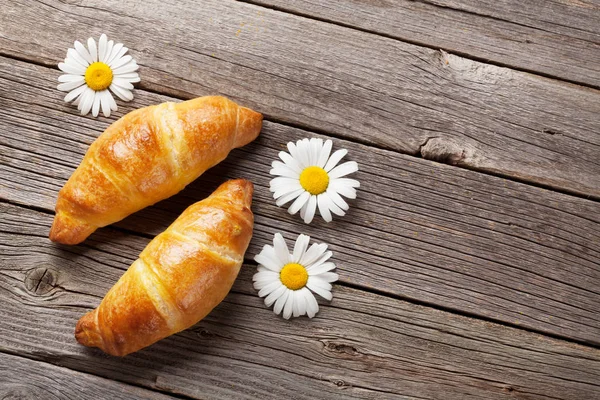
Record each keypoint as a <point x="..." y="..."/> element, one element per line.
<point x="469" y="264"/>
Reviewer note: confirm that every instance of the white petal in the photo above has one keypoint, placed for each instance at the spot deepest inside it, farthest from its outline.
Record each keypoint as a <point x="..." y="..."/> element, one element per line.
<point x="312" y="307"/>
<point x="72" y="54"/>
<point x="279" y="168"/>
<point x="329" y="276"/>
<point x="337" y="199"/>
<point x="290" y="162"/>
<point x="302" y="148"/>
<point x="102" y="47"/>
<point x="343" y="169"/>
<point x="344" y="182"/>
<point x="117" y="49"/>
<point x="282" y="190"/>
<point x="118" y="55"/>
<point x="123" y="94"/>
<point x="83" y="52"/>
<point x="324" y="257"/>
<point x="313" y="253"/>
<point x="269" y="288"/>
<point x="299" y="202"/>
<point x="301" y="302"/>
<point x="310" y="209"/>
<point x="317" y="281"/>
<point x="331" y="205"/>
<point x="296" y="305"/>
<point x="325" y="151"/>
<point x="120" y="62"/>
<point x="96" y="104"/>
<point x="105" y="102"/>
<point x="293" y="149"/>
<point x="87" y="101"/>
<point x="93" y="49"/>
<point x="122" y="84"/>
<point x="73" y="94"/>
<point x="318" y="289"/>
<point x="72" y="68"/>
<point x="113" y="103"/>
<point x="334" y="159"/>
<point x="70" y="78"/>
<point x="344" y="190"/>
<point x="323" y="203"/>
<point x="281" y="249"/>
<point x="300" y="247"/>
<point x="109" y="48"/>
<point x="131" y="77"/>
<point x="289" y="304"/>
<point x="280" y="181"/>
<point x="274" y="295"/>
<point x="315" y="150"/>
<point x="303" y="210"/>
<point x="321" y="269"/>
<point x="281" y="301"/>
<point x="127" y="68"/>
<point x="268" y="262"/>
<point x="288" y="197"/>
<point x="265" y="275"/>
<point x="68" y="86"/>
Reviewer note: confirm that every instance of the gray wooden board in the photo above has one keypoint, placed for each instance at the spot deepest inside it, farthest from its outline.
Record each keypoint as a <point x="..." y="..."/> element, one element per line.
<point x="552" y="37"/>
<point x="338" y="80"/>
<point x="360" y="345"/>
<point x="22" y="378"/>
<point x="421" y="230"/>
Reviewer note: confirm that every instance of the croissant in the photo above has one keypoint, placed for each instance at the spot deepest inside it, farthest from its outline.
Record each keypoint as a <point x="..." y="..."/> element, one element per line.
<point x="146" y="156"/>
<point x="179" y="278"/>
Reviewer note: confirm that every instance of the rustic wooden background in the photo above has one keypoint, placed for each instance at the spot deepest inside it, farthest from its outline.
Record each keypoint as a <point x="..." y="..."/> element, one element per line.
<point x="469" y="264"/>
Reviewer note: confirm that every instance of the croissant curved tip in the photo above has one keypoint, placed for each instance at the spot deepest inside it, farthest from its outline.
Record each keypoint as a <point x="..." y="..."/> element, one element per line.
<point x="249" y="126"/>
<point x="68" y="230"/>
<point x="238" y="189"/>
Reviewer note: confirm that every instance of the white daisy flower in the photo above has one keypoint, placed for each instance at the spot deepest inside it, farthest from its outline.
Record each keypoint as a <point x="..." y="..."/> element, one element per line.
<point x="287" y="279"/>
<point x="311" y="177"/>
<point x="90" y="73"/>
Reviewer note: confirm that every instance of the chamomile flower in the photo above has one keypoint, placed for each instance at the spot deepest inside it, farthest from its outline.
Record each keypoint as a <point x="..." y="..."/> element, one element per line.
<point x="310" y="176"/>
<point x="288" y="279"/>
<point x="90" y="73"/>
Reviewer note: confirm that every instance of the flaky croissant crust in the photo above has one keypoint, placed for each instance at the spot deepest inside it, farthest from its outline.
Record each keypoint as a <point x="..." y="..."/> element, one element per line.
<point x="179" y="278"/>
<point x="146" y="156"/>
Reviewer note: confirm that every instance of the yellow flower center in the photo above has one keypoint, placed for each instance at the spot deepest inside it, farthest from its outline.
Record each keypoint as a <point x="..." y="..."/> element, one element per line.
<point x="314" y="180"/>
<point x="293" y="276"/>
<point x="98" y="76"/>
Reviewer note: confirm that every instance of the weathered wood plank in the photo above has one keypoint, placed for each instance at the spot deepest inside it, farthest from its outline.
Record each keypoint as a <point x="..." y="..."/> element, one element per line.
<point x="361" y="345"/>
<point x="21" y="378"/>
<point x="346" y="82"/>
<point x="426" y="231"/>
<point x="551" y="37"/>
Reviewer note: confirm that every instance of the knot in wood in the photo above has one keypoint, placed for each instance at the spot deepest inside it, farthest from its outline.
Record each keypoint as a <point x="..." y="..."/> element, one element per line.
<point x="40" y="281"/>
<point x="341" y="348"/>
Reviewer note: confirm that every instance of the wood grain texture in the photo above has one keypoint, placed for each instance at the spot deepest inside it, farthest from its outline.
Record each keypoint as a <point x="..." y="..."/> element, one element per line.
<point x="552" y="37"/>
<point x="338" y="80"/>
<point x="360" y="345"/>
<point x="421" y="230"/>
<point x="21" y="378"/>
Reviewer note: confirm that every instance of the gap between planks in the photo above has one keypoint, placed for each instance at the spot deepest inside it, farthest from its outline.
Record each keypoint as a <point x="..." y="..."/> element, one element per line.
<point x="464" y="54"/>
<point x="354" y="84"/>
<point x="367" y="289"/>
<point x="358" y="140"/>
<point x="508" y="213"/>
<point x="42" y="370"/>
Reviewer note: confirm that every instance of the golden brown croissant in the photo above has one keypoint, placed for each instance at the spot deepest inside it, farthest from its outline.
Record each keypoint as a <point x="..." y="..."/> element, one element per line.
<point x="179" y="278"/>
<point x="146" y="156"/>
